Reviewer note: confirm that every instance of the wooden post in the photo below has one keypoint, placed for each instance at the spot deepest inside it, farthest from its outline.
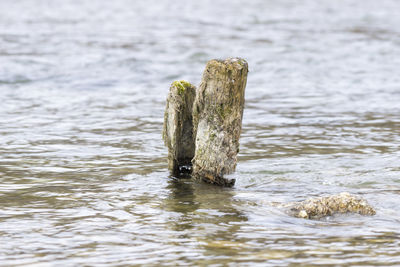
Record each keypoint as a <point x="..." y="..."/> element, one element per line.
<point x="178" y="126"/>
<point x="217" y="120"/>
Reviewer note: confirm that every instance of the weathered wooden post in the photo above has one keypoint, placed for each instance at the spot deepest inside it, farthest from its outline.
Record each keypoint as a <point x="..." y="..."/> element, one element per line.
<point x="217" y="119"/>
<point x="178" y="125"/>
<point x="203" y="128"/>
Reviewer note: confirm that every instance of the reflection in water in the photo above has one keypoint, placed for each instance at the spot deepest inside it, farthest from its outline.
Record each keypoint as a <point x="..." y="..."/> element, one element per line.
<point x="210" y="214"/>
<point x="182" y="201"/>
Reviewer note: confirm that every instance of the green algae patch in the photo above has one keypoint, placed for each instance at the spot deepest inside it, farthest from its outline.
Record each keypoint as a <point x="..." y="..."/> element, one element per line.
<point x="182" y="86"/>
<point x="223" y="111"/>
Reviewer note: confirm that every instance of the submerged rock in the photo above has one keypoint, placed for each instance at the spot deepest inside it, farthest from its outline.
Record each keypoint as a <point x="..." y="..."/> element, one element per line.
<point x="314" y="208"/>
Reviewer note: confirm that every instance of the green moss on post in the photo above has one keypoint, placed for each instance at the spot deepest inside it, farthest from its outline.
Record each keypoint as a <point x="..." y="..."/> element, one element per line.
<point x="178" y="125"/>
<point x="217" y="119"/>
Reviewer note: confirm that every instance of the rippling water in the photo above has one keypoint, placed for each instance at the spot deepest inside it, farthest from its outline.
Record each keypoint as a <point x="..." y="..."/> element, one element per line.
<point x="83" y="173"/>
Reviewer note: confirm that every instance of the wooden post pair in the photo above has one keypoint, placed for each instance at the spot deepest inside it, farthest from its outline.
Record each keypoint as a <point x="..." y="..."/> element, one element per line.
<point x="202" y="126"/>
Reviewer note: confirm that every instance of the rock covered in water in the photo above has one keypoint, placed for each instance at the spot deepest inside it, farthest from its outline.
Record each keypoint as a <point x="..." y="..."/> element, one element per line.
<point x="319" y="207"/>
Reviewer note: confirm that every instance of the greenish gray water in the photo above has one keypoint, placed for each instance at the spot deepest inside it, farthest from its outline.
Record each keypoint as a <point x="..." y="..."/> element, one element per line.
<point x="83" y="172"/>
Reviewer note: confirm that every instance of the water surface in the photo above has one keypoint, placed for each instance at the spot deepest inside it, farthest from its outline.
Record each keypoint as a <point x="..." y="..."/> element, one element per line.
<point x="83" y="172"/>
